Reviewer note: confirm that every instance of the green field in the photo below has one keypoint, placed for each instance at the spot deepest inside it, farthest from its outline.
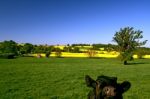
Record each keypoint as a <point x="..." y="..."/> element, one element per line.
<point x="63" y="78"/>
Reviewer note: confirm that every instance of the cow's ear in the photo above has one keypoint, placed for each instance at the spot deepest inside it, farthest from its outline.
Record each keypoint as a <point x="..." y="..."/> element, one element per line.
<point x="125" y="86"/>
<point x="90" y="82"/>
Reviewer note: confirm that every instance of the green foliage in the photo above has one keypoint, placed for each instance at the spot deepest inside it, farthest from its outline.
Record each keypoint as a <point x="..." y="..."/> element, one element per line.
<point x="58" y="52"/>
<point x="128" y="40"/>
<point x="39" y="49"/>
<point x="7" y="55"/>
<point x="98" y="46"/>
<point x="47" y="54"/>
<point x="76" y="50"/>
<point x="9" y="47"/>
<point x="111" y="47"/>
<point x="141" y="51"/>
<point x="67" y="49"/>
<point x="26" y="48"/>
<point x="124" y="56"/>
<point x="73" y="45"/>
<point x="42" y="48"/>
<point x="63" y="78"/>
<point x="107" y="47"/>
<point x="71" y="49"/>
<point x="91" y="53"/>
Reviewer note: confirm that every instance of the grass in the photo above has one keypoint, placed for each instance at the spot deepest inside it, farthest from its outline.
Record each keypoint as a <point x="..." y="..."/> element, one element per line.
<point x="63" y="78"/>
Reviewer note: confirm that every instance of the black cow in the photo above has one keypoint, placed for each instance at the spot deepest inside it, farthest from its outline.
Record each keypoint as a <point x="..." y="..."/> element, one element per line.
<point x="105" y="87"/>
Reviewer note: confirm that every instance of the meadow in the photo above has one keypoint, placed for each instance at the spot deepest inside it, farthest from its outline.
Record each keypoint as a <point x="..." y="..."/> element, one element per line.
<point x="63" y="78"/>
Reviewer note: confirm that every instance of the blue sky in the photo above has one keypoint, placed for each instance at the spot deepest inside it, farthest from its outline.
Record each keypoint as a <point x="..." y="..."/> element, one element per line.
<point x="71" y="21"/>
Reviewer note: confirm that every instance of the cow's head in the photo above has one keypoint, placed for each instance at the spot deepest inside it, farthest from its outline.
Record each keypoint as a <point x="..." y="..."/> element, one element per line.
<point x="106" y="87"/>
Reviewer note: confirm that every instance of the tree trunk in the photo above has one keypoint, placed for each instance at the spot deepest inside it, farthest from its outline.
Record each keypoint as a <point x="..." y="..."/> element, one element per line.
<point x="125" y="62"/>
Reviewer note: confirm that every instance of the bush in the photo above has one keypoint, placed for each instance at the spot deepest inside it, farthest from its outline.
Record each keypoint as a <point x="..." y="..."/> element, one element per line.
<point x="47" y="54"/>
<point x="91" y="53"/>
<point x="58" y="52"/>
<point x="7" y="55"/>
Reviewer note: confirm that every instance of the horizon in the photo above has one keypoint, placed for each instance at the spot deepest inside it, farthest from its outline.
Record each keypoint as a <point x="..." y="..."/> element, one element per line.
<point x="70" y="44"/>
<point x="65" y="22"/>
<point x="85" y="44"/>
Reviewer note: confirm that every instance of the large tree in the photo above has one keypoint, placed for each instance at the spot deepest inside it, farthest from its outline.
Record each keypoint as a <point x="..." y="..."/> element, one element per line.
<point x="128" y="40"/>
<point x="8" y="47"/>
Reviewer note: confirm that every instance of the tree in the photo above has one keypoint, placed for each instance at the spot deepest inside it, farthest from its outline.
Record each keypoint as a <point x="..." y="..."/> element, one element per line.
<point x="67" y="49"/>
<point x="58" y="52"/>
<point x="76" y="50"/>
<point x="26" y="48"/>
<point x="109" y="48"/>
<point x="39" y="49"/>
<point x="128" y="40"/>
<point x="91" y="53"/>
<point x="9" y="47"/>
<point x="141" y="51"/>
<point x="47" y="54"/>
<point x="48" y="50"/>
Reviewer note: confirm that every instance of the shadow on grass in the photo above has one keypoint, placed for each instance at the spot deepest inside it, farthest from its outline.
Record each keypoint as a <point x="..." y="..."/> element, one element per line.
<point x="137" y="63"/>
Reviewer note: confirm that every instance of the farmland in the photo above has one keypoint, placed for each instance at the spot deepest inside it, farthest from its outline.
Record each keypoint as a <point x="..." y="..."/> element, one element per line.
<point x="63" y="78"/>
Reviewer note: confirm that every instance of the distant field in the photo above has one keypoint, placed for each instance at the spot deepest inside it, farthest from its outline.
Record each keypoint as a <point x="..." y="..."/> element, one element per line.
<point x="63" y="78"/>
<point x="100" y="54"/>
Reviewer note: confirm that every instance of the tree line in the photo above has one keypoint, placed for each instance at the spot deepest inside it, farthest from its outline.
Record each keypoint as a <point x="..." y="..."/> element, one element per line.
<point x="28" y="48"/>
<point x="128" y="42"/>
<point x="11" y="47"/>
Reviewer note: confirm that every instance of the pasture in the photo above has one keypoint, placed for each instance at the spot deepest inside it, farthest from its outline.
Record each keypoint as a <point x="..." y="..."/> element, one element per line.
<point x="63" y="78"/>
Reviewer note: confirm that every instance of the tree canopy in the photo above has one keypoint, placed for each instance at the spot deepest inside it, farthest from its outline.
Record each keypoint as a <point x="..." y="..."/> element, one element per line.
<point x="128" y="40"/>
<point x="8" y="47"/>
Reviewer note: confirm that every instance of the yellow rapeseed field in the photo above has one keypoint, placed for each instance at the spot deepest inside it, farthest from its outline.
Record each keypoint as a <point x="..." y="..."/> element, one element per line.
<point x="60" y="46"/>
<point x="103" y="54"/>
